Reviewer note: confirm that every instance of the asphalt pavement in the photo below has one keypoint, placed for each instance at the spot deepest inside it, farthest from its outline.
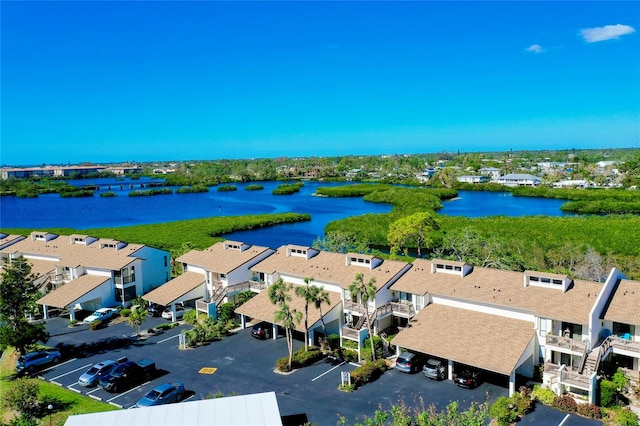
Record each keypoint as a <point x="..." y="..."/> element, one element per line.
<point x="240" y="364"/>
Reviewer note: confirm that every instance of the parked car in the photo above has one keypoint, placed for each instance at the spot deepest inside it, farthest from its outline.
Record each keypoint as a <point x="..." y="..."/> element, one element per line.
<point x="36" y="360"/>
<point x="93" y="375"/>
<point x="435" y="369"/>
<point x="155" y="310"/>
<point x="128" y="374"/>
<point x="409" y="362"/>
<point x="163" y="394"/>
<point x="468" y="378"/>
<point x="166" y="314"/>
<point x="103" y="314"/>
<point x="262" y="331"/>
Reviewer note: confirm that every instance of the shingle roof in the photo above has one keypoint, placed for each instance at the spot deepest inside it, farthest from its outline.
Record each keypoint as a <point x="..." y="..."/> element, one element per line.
<point x="503" y="288"/>
<point x="61" y="249"/>
<point x="41" y="267"/>
<point x="170" y="291"/>
<point x="73" y="290"/>
<point x="7" y="240"/>
<point x="329" y="267"/>
<point x="477" y="339"/>
<point x="217" y="258"/>
<point x="624" y="306"/>
<point x="260" y="308"/>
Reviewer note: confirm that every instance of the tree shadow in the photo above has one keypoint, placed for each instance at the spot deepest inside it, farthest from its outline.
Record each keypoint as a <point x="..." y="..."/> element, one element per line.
<point x="55" y="403"/>
<point x="85" y="350"/>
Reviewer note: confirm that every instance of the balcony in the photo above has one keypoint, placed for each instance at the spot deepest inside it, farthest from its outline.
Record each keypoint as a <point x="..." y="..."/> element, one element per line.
<point x="565" y="344"/>
<point x="350" y="333"/>
<point x="568" y="377"/>
<point x="621" y="344"/>
<point x="350" y="305"/>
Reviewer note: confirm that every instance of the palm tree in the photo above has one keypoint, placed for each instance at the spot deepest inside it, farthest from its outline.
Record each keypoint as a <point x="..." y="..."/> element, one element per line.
<point x="288" y="317"/>
<point x="305" y="293"/>
<point x="136" y="318"/>
<point x="365" y="292"/>
<point x="319" y="296"/>
<point x="279" y="295"/>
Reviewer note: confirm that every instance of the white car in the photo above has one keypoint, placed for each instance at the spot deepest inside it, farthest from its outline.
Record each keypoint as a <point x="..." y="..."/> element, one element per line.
<point x="102" y="314"/>
<point x="166" y="314"/>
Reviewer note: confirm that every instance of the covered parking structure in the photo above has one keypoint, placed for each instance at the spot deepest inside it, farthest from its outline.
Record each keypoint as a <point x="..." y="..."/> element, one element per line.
<point x="494" y="343"/>
<point x="260" y="308"/>
<point x="185" y="287"/>
<point x="86" y="290"/>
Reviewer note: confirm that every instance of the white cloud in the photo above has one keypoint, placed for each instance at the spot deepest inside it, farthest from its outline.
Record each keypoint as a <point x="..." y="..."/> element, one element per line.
<point x="535" y="48"/>
<point x="608" y="32"/>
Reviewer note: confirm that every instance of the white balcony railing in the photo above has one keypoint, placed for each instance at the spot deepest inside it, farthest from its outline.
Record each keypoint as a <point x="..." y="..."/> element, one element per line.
<point x="575" y="346"/>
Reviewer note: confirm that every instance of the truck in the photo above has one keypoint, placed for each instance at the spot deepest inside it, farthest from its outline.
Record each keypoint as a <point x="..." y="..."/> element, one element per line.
<point x="128" y="375"/>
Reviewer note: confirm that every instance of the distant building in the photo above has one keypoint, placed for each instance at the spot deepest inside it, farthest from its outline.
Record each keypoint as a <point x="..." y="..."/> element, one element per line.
<point x="473" y="179"/>
<point x="492" y="172"/>
<point x="517" y="179"/>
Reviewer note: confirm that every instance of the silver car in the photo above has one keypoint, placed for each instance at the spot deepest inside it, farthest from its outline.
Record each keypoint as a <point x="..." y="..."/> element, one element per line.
<point x="91" y="377"/>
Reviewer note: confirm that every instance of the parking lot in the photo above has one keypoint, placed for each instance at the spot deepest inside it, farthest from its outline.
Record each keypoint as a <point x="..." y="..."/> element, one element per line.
<point x="240" y="364"/>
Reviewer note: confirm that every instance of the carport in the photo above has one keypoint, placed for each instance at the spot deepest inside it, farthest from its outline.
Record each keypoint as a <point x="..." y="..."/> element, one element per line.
<point x="489" y="342"/>
<point x="86" y="288"/>
<point x="188" y="286"/>
<point x="260" y="308"/>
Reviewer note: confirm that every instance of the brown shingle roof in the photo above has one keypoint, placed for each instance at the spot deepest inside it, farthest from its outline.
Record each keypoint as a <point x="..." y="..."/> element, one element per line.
<point x="503" y="288"/>
<point x="73" y="290"/>
<point x="219" y="259"/>
<point x="624" y="306"/>
<point x="260" y="308"/>
<point x="170" y="291"/>
<point x="329" y="267"/>
<point x="489" y="342"/>
<point x="60" y="249"/>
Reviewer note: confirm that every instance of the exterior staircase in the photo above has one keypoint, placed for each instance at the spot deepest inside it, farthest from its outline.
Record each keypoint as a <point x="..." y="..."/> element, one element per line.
<point x="592" y="362"/>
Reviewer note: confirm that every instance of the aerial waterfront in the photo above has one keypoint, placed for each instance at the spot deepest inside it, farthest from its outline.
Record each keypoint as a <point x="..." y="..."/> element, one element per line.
<point x="50" y="210"/>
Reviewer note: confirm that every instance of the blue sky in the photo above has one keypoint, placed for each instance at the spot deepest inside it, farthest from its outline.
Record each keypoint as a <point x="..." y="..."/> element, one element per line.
<point x="144" y="81"/>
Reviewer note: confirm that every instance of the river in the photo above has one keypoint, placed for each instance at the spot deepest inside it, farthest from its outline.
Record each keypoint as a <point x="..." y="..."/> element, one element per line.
<point x="52" y="211"/>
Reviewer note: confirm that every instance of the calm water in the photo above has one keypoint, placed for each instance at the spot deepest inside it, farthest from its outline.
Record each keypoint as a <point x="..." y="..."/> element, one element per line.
<point x="51" y="210"/>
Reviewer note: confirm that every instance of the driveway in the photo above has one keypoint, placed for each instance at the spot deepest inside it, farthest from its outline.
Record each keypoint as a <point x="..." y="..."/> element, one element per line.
<point x="241" y="364"/>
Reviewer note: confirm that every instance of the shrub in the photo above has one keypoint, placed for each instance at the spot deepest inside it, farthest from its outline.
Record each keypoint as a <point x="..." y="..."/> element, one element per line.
<point x="167" y="326"/>
<point x="523" y="403"/>
<point x="608" y="391"/>
<point x="544" y="395"/>
<point x="94" y="325"/>
<point x="620" y="417"/>
<point x="125" y="312"/>
<point x="368" y="372"/>
<point x="22" y="396"/>
<point x="346" y="354"/>
<point x="253" y="187"/>
<point x="620" y="380"/>
<point x="73" y="322"/>
<point x="565" y="403"/>
<point x="282" y="364"/>
<point x="525" y="391"/>
<point x="227" y="311"/>
<point x="589" y="410"/>
<point x="190" y="317"/>
<point x="333" y="340"/>
<point x="504" y="411"/>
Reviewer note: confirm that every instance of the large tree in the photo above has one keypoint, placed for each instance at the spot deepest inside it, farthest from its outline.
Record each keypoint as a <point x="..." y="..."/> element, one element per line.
<point x="320" y="296"/>
<point x="306" y="294"/>
<point x="285" y="315"/>
<point x="137" y="317"/>
<point x="417" y="230"/>
<point x="364" y="292"/>
<point x="18" y="296"/>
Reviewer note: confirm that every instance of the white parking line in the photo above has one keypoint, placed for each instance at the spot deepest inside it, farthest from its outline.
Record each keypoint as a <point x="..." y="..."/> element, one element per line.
<point x="186" y="399"/>
<point x="58" y="365"/>
<point x="124" y="393"/>
<point x="73" y="371"/>
<point x="117" y="405"/>
<point x="94" y="390"/>
<point x="95" y="397"/>
<point x="74" y="389"/>
<point x="168" y="338"/>
<point x="328" y="371"/>
<point x="564" y="420"/>
<point x="56" y="383"/>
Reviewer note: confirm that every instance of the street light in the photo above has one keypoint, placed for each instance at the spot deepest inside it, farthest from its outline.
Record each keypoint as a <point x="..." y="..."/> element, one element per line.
<point x="50" y="408"/>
